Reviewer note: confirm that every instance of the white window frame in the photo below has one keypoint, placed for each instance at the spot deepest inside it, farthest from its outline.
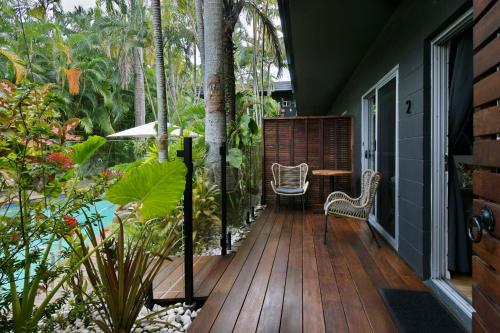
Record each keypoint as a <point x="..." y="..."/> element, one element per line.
<point x="365" y="108"/>
<point x="439" y="48"/>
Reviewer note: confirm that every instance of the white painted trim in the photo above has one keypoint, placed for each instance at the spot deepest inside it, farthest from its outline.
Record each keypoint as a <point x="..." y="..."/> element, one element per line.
<point x="392" y="74"/>
<point x="439" y="148"/>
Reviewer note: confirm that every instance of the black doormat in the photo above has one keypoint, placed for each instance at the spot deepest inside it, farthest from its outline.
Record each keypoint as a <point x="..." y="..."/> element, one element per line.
<point x="419" y="311"/>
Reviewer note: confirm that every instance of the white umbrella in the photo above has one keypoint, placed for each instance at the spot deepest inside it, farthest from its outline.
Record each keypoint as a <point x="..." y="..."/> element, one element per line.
<point x="148" y="130"/>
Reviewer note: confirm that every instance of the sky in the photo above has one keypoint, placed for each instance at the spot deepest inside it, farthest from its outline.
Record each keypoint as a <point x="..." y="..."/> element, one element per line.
<point x="69" y="5"/>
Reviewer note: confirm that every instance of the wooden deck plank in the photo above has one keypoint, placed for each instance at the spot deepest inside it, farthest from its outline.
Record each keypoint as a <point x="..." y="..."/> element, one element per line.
<point x="170" y="286"/>
<point x="270" y="315"/>
<point x="231" y="308"/>
<point x="335" y="320"/>
<point x="167" y="268"/>
<point x="284" y="278"/>
<point x="249" y="315"/>
<point x="311" y="294"/>
<point x="373" y="303"/>
<point x="291" y="317"/>
<point x="357" y="319"/>
<point x="177" y="290"/>
<point x="205" y="281"/>
<point x="388" y="261"/>
<point x="214" y="303"/>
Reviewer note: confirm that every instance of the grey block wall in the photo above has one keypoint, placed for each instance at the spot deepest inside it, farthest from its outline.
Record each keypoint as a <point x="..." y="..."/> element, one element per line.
<point x="402" y="42"/>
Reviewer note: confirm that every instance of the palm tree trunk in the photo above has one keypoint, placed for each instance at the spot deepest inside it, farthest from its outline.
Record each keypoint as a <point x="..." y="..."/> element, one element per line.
<point x="139" y="92"/>
<point x="160" y="82"/>
<point x="171" y="78"/>
<point x="229" y="78"/>
<point x="200" y="31"/>
<point x="215" y="122"/>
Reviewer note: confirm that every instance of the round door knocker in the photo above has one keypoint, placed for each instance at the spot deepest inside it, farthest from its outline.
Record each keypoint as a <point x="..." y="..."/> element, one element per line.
<point x="477" y="223"/>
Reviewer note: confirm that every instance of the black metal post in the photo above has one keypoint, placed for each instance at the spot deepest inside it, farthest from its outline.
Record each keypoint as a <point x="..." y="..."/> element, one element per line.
<point x="223" y="196"/>
<point x="187" y="154"/>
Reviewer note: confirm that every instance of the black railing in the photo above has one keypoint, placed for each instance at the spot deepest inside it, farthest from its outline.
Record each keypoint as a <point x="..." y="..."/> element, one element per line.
<point x="187" y="155"/>
<point x="225" y="237"/>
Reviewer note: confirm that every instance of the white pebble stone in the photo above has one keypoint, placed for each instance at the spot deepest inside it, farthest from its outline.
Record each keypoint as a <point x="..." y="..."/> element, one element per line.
<point x="186" y="319"/>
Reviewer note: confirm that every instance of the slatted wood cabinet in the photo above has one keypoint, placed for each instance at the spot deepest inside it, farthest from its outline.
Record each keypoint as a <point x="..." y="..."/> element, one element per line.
<point x="321" y="142"/>
<point x="486" y="179"/>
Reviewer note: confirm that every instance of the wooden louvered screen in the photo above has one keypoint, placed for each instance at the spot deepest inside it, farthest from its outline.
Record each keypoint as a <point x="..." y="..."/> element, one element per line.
<point x="321" y="142"/>
<point x="486" y="180"/>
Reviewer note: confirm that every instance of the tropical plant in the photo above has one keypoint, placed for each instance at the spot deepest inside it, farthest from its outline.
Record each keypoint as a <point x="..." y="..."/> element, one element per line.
<point x="155" y="188"/>
<point x="121" y="273"/>
<point x="35" y="170"/>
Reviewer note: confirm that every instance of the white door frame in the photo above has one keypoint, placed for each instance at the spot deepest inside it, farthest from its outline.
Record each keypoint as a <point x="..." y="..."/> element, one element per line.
<point x="439" y="148"/>
<point x="365" y="108"/>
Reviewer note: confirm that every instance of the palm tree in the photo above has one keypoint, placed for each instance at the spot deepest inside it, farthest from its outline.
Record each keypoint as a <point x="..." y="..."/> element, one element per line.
<point x="200" y="35"/>
<point x="139" y="92"/>
<point x="160" y="82"/>
<point x="232" y="12"/>
<point x="215" y="120"/>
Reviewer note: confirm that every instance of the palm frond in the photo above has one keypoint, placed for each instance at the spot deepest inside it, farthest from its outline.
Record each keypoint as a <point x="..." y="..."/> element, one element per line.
<point x="270" y="31"/>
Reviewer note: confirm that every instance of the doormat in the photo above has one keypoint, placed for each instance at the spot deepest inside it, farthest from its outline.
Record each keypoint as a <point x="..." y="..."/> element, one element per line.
<point x="419" y="311"/>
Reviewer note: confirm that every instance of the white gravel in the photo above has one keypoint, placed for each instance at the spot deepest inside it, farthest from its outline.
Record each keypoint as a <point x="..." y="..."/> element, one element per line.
<point x="176" y="319"/>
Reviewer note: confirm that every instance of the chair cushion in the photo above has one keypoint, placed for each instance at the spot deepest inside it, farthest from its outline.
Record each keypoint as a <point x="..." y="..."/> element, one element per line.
<point x="286" y="190"/>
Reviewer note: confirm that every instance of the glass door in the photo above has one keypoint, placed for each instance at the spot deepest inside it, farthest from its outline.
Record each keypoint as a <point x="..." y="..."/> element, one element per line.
<point x="379" y="151"/>
<point x="386" y="156"/>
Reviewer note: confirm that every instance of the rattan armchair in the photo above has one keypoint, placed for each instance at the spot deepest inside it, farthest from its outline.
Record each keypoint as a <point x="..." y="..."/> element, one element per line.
<point x="290" y="181"/>
<point x="341" y="204"/>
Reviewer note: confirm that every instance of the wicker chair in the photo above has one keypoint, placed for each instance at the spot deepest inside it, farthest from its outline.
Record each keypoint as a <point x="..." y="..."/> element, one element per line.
<point x="340" y="204"/>
<point x="290" y="181"/>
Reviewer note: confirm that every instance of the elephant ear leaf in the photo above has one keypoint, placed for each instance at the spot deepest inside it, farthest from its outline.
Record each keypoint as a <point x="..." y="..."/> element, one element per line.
<point x="156" y="188"/>
<point x="85" y="150"/>
<point x="235" y="157"/>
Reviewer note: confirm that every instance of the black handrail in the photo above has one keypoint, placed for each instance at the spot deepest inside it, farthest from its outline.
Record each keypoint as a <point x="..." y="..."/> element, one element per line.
<point x="223" y="206"/>
<point x="187" y="155"/>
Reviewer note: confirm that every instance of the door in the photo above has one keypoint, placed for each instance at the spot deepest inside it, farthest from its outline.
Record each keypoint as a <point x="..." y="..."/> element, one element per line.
<point x="380" y="132"/>
<point x="486" y="180"/>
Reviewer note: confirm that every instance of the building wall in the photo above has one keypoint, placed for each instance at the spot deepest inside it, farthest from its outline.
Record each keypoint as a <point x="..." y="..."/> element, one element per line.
<point x="402" y="42"/>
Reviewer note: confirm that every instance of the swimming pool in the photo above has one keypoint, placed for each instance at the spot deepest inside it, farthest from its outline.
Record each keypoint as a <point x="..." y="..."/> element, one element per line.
<point x="104" y="208"/>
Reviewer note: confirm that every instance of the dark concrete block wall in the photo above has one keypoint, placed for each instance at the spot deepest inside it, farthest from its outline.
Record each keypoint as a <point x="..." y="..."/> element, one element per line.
<point x="402" y="42"/>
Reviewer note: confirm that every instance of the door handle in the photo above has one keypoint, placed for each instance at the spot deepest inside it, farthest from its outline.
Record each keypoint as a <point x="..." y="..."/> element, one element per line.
<point x="477" y="223"/>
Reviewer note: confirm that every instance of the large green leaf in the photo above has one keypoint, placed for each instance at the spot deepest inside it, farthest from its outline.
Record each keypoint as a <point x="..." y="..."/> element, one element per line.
<point x="235" y="157"/>
<point x="156" y="187"/>
<point x="85" y="150"/>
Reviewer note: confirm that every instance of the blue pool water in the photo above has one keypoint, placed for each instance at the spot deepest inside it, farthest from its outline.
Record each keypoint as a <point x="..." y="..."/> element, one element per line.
<point x="104" y="208"/>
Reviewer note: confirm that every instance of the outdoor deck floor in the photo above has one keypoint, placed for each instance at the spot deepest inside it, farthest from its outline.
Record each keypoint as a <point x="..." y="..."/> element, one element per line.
<point x="168" y="286"/>
<point x="284" y="279"/>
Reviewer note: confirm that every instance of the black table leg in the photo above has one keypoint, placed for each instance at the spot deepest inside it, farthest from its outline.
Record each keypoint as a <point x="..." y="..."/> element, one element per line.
<point x="332" y="183"/>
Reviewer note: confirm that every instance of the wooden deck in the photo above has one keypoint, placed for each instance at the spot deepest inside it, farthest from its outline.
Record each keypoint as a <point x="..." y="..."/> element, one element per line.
<point x="284" y="279"/>
<point x="168" y="286"/>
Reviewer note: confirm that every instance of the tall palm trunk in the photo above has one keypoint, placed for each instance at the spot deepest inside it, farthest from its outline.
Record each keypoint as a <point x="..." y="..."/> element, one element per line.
<point x="215" y="122"/>
<point x="139" y="92"/>
<point x="171" y="78"/>
<point x="229" y="78"/>
<point x="161" y="86"/>
<point x="200" y="31"/>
